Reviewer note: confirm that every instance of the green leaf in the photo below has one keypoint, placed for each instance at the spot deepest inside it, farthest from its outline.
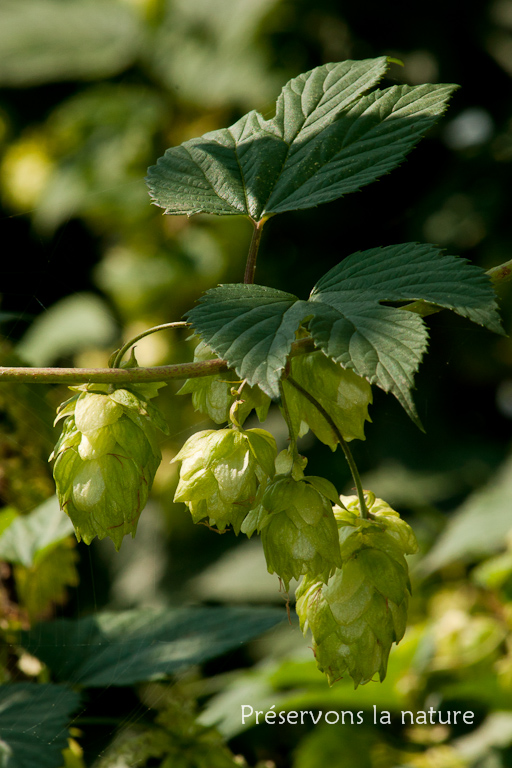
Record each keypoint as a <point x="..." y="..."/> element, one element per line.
<point x="43" y="41"/>
<point x="252" y="327"/>
<point x="46" y="582"/>
<point x="326" y="139"/>
<point x="77" y="322"/>
<point x="225" y="64"/>
<point x="133" y="646"/>
<point x="385" y="344"/>
<point x="325" y="487"/>
<point x="480" y="527"/>
<point x="418" y="271"/>
<point x="28" y="535"/>
<point x="7" y="516"/>
<point x="34" y="719"/>
<point x="342" y="747"/>
<point x="263" y="448"/>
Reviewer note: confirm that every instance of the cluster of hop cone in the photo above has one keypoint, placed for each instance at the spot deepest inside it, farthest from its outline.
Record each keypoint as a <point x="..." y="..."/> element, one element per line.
<point x="355" y="586"/>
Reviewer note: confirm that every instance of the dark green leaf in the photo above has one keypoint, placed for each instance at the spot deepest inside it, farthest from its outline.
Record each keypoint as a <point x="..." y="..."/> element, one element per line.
<point x="385" y="344"/>
<point x="33" y="724"/>
<point x="382" y="344"/>
<point x="133" y="646"/>
<point x="252" y="327"/>
<point x="368" y="140"/>
<point x="418" y="271"/>
<point x="327" y="139"/>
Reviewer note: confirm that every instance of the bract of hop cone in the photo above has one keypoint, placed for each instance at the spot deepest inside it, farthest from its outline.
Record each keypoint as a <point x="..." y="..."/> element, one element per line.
<point x="341" y="392"/>
<point x="215" y="395"/>
<point x="297" y="527"/>
<point x="222" y="473"/>
<point x="106" y="458"/>
<point x="362" y="609"/>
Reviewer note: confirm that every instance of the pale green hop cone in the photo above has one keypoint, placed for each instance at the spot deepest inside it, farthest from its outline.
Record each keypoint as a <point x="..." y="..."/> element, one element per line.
<point x="106" y="459"/>
<point x="297" y="527"/>
<point x="222" y="472"/>
<point x="213" y="395"/>
<point x="362" y="610"/>
<point x="341" y="392"/>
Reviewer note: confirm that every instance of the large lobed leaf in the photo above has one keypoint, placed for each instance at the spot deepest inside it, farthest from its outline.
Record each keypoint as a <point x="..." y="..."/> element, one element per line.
<point x="143" y="644"/>
<point x="253" y="327"/>
<point x="385" y="344"/>
<point x="33" y="724"/>
<point x="329" y="136"/>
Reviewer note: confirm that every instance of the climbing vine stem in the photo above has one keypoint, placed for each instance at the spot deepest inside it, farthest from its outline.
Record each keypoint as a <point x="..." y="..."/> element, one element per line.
<point x="498" y="275"/>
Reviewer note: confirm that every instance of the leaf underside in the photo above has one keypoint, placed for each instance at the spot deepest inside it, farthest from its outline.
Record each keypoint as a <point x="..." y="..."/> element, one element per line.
<point x="330" y="136"/>
<point x="252" y="327"/>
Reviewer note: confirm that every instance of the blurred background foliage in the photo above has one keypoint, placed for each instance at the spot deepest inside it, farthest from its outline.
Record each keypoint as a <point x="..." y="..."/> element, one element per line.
<point x="94" y="91"/>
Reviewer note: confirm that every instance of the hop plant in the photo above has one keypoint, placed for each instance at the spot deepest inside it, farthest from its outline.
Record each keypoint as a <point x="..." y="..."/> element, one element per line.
<point x="297" y="526"/>
<point x="362" y="609"/>
<point x="215" y="395"/>
<point x="222" y="472"/>
<point x="106" y="458"/>
<point x="343" y="394"/>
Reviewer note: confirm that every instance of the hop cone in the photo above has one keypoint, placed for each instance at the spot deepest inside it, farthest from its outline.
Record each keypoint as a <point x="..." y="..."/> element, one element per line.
<point x="213" y="395"/>
<point x="106" y="459"/>
<point x="341" y="392"/>
<point x="222" y="472"/>
<point x="362" y="610"/>
<point x="298" y="529"/>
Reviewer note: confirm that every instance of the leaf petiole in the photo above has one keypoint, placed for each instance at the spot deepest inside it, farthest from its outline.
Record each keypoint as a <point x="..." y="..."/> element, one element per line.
<point x="250" y="266"/>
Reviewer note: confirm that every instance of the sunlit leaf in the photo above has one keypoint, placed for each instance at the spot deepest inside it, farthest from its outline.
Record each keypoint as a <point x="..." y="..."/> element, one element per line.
<point x="344" y="395"/>
<point x="252" y="327"/>
<point x="329" y="137"/>
<point x="28" y="535"/>
<point x="45" y="583"/>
